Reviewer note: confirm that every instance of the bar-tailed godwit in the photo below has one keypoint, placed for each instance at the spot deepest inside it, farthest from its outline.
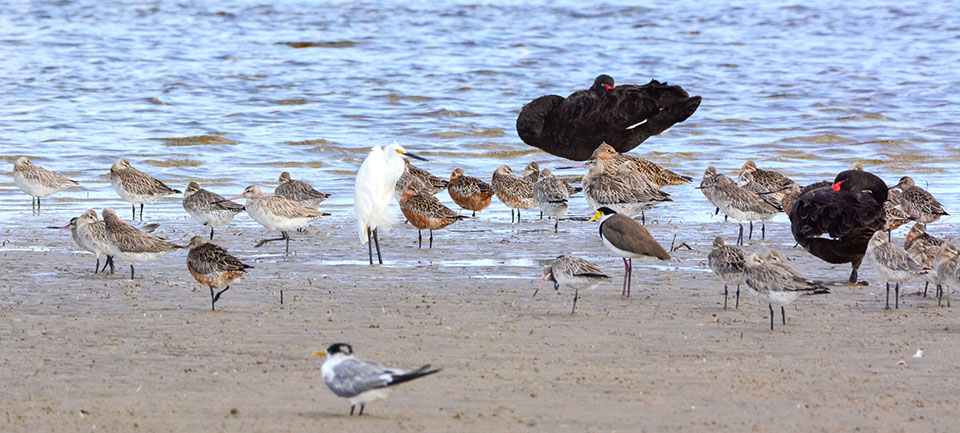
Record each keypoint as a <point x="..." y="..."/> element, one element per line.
<point x="214" y="267"/>
<point x="513" y="191"/>
<point x="299" y="191"/>
<point x="37" y="181"/>
<point x="777" y="285"/>
<point x="727" y="262"/>
<point x="552" y="195"/>
<point x="137" y="187"/>
<point x="425" y="212"/>
<point x="469" y="192"/>
<point x="918" y="202"/>
<point x="572" y="272"/>
<point x="893" y="264"/>
<point x="276" y="213"/>
<point x="209" y="208"/>
<point x="132" y="245"/>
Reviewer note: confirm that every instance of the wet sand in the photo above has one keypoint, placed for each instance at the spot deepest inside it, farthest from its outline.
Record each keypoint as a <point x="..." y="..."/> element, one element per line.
<point x="86" y="352"/>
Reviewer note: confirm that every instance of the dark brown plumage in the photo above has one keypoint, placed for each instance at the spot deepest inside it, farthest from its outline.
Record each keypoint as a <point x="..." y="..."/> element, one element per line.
<point x="214" y="267"/>
<point x="623" y="116"/>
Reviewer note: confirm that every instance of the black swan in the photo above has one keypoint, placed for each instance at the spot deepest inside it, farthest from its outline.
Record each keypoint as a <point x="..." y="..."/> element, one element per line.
<point x="849" y="212"/>
<point x="622" y="116"/>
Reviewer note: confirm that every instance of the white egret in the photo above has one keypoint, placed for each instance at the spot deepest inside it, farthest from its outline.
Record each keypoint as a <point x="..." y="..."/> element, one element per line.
<point x="374" y="188"/>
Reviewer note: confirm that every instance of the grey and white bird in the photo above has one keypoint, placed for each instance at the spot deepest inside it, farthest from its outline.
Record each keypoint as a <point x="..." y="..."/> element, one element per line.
<point x="90" y="234"/>
<point x="628" y="192"/>
<point x="360" y="380"/>
<point x="727" y="262"/>
<point x="299" y="191"/>
<point x="741" y="204"/>
<point x="628" y="239"/>
<point x="918" y="202"/>
<point x="777" y="285"/>
<point x="552" y="196"/>
<point x="37" y="181"/>
<point x="769" y="179"/>
<point x="572" y="272"/>
<point x="924" y="248"/>
<point x="137" y="187"/>
<point x="131" y="245"/>
<point x="893" y="263"/>
<point x="948" y="270"/>
<point x="276" y="213"/>
<point x="209" y="208"/>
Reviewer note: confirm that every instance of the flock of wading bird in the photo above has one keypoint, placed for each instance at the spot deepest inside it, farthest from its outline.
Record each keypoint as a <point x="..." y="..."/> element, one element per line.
<point x="838" y="221"/>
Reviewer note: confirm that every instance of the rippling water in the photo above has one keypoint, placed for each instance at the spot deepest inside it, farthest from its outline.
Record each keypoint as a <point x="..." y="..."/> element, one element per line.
<point x="233" y="92"/>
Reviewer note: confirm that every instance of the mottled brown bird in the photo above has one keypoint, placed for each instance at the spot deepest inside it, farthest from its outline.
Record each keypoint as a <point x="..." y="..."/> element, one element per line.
<point x="468" y="192"/>
<point x="425" y="212"/>
<point x="513" y="191"/>
<point x="214" y="267"/>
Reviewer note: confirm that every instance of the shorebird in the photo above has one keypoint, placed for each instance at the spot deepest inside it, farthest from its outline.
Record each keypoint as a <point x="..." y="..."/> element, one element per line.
<point x="849" y="212"/>
<point x="628" y="239"/>
<point x="276" y="213"/>
<point x="208" y="208"/>
<point x="468" y="192"/>
<point x="531" y="173"/>
<point x="131" y="245"/>
<point x="214" y="267"/>
<point x="777" y="285"/>
<point x="924" y="248"/>
<point x="893" y="264"/>
<point x="657" y="175"/>
<point x="768" y="179"/>
<point x="551" y="194"/>
<point x="513" y="191"/>
<point x="789" y="197"/>
<point x="918" y="202"/>
<point x="137" y="187"/>
<point x="360" y="380"/>
<point x="89" y="234"/>
<point x="948" y="271"/>
<point x="627" y="192"/>
<point x="706" y="186"/>
<point x="572" y="272"/>
<point x="740" y="204"/>
<point x="623" y="115"/>
<point x="375" y="185"/>
<point x="299" y="191"/>
<point x="37" y="181"/>
<point x="771" y="197"/>
<point x="425" y="212"/>
<point x="433" y="184"/>
<point x="893" y="212"/>
<point x="727" y="262"/>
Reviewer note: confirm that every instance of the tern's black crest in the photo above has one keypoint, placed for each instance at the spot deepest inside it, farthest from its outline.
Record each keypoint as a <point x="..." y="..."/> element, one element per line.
<point x="343" y="348"/>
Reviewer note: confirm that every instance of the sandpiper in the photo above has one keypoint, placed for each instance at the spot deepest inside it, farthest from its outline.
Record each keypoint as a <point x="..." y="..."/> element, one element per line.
<point x="89" y="234"/>
<point x="740" y="204"/>
<point x="628" y="192"/>
<point x="468" y="192"/>
<point x="37" y="181"/>
<point x="769" y="179"/>
<point x="948" y="270"/>
<point x="771" y="197"/>
<point x="893" y="264"/>
<point x="513" y="191"/>
<point x="137" y="187"/>
<point x="924" y="248"/>
<point x="573" y="272"/>
<point x="727" y="262"/>
<point x="628" y="239"/>
<point x="276" y="213"/>
<point x="552" y="195"/>
<point x="531" y="172"/>
<point x="299" y="191"/>
<point x="433" y="184"/>
<point x="425" y="212"/>
<point x="214" y="267"/>
<point x="209" y="208"/>
<point x="918" y="202"/>
<point x="131" y="245"/>
<point x="659" y="176"/>
<point x="777" y="285"/>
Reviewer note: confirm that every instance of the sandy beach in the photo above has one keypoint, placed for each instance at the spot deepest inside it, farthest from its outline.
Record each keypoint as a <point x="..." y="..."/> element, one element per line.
<point x="86" y="352"/>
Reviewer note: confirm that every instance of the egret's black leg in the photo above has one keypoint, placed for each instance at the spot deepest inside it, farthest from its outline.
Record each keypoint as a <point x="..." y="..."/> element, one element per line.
<point x="376" y="241"/>
<point x="362" y="405"/>
<point x="352" y="406"/>
<point x="370" y="252"/>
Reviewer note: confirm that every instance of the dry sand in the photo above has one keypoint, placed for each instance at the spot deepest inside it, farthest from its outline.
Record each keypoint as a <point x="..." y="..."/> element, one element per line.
<point x="84" y="352"/>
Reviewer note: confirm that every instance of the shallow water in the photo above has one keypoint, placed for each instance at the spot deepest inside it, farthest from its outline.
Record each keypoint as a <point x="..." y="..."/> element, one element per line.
<point x="231" y="93"/>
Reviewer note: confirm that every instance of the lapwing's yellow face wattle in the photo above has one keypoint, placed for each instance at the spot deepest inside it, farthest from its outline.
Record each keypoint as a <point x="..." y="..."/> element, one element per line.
<point x="596" y="216"/>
